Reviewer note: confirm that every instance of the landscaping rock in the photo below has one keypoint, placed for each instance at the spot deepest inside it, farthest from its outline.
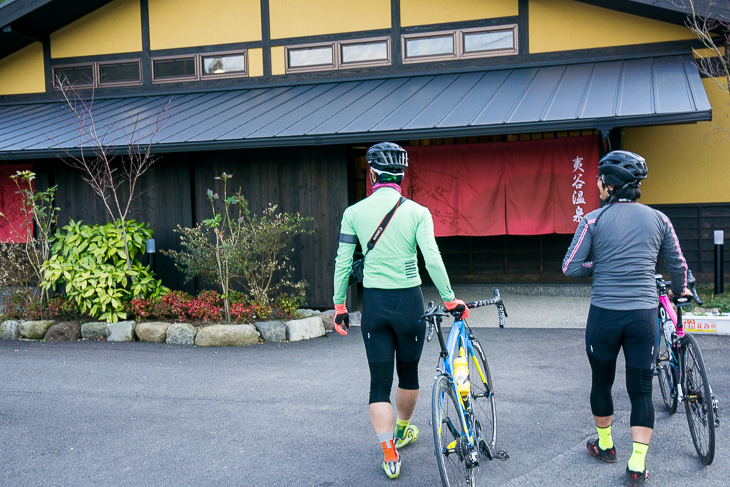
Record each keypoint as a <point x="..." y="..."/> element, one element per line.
<point x="328" y="319"/>
<point x="121" y="332"/>
<point x="35" y="330"/>
<point x="226" y="335"/>
<point x="306" y="313"/>
<point x="64" y="331"/>
<point x="152" y="331"/>
<point x="9" y="330"/>
<point x="304" y="329"/>
<point x="94" y="330"/>
<point x="271" y="331"/>
<point x="181" y="334"/>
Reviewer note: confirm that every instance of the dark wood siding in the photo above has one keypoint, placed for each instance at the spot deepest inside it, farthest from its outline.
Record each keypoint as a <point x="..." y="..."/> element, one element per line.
<point x="307" y="180"/>
<point x="695" y="226"/>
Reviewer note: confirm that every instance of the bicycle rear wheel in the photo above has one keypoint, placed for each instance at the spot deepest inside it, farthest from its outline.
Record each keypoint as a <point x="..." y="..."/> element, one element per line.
<point x="667" y="374"/>
<point x="698" y="401"/>
<point x="452" y="452"/>
<point x="483" y="406"/>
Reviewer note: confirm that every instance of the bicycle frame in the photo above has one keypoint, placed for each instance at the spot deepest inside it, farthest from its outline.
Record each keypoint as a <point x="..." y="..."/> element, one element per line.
<point x="674" y="342"/>
<point x="459" y="338"/>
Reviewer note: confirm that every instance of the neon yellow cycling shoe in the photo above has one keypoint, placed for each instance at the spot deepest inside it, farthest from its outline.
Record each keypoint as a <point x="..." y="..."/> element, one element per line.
<point x="409" y="436"/>
<point x="392" y="469"/>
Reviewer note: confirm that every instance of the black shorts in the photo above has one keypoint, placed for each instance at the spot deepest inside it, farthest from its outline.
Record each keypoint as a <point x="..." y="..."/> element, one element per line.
<point x="390" y="324"/>
<point x="608" y="330"/>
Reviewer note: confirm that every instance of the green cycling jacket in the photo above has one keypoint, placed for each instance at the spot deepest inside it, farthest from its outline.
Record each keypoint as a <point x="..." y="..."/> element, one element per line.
<point x="392" y="264"/>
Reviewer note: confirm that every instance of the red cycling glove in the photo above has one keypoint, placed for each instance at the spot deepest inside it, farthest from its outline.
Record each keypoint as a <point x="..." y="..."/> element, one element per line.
<point x="342" y="319"/>
<point x="458" y="305"/>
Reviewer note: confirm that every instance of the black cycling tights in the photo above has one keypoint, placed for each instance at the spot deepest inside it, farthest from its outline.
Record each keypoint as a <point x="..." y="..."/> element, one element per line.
<point x="636" y="331"/>
<point x="390" y="327"/>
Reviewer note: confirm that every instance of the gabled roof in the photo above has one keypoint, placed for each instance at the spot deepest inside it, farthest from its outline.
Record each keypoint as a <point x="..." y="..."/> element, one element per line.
<point x="595" y="95"/>
<point x="675" y="11"/>
<point x="23" y="22"/>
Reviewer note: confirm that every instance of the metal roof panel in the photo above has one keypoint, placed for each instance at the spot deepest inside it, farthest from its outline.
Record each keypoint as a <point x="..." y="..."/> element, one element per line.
<point x="642" y="91"/>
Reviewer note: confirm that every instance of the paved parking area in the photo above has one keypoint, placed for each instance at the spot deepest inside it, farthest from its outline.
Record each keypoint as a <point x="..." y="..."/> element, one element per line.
<point x="130" y="414"/>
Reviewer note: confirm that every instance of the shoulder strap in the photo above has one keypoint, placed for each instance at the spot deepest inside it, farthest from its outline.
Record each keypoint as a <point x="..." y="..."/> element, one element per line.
<point x="601" y="214"/>
<point x="383" y="224"/>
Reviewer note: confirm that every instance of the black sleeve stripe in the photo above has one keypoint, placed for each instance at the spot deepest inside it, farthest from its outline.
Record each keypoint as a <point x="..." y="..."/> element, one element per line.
<point x="348" y="239"/>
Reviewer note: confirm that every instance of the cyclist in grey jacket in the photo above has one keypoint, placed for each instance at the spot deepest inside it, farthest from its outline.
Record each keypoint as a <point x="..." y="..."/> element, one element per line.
<point x="618" y="245"/>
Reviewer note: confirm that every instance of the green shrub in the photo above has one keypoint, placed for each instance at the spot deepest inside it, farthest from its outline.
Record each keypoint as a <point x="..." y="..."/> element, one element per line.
<point x="90" y="261"/>
<point x="711" y="300"/>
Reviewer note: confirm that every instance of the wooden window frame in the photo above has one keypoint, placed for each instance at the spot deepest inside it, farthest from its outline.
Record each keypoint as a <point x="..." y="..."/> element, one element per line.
<point x="94" y="76"/>
<point x="198" y="63"/>
<point x="337" y="62"/>
<point x="194" y="77"/>
<point x="101" y="83"/>
<point x="494" y="52"/>
<point x="430" y="57"/>
<point x="458" y="36"/>
<point x="237" y="74"/>
<point x="360" y="64"/>
<point x="318" y="67"/>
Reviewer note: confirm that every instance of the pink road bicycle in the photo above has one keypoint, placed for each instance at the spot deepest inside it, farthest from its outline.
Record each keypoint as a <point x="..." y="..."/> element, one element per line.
<point x="681" y="370"/>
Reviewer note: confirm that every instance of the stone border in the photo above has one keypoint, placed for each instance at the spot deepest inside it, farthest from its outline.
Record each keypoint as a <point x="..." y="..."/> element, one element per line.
<point x="313" y="324"/>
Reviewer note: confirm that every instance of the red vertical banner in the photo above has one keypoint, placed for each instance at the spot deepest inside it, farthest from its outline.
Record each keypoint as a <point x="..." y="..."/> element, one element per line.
<point x="532" y="187"/>
<point x="13" y="226"/>
<point x="550" y="184"/>
<point x="462" y="186"/>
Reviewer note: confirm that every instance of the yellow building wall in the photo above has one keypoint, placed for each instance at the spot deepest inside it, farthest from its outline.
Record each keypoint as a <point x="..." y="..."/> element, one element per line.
<point x="422" y="12"/>
<point x="563" y="25"/>
<point x="22" y="72"/>
<point x="190" y="23"/>
<point x="278" y="60"/>
<point x="114" y="28"/>
<point x="290" y="18"/>
<point x="255" y="62"/>
<point x="687" y="163"/>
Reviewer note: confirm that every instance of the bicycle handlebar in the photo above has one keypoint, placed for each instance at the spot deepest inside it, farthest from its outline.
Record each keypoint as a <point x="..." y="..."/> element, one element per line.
<point x="434" y="314"/>
<point x="681" y="300"/>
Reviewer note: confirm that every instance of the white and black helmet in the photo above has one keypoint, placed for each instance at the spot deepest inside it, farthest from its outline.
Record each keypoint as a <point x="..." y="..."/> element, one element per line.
<point x="387" y="158"/>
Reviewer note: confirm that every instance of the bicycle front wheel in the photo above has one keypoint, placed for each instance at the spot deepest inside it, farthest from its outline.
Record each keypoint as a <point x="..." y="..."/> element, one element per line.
<point x="452" y="449"/>
<point x="698" y="401"/>
<point x="483" y="406"/>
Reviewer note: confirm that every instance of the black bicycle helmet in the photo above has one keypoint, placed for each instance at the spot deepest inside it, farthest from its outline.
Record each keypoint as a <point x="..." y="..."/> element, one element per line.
<point x="388" y="158"/>
<point x="627" y="167"/>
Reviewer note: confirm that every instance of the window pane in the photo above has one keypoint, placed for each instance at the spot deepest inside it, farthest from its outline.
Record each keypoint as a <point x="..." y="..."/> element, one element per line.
<point x="430" y="46"/>
<point x="372" y="51"/>
<point x="229" y="63"/>
<point x="174" y="68"/>
<point x="74" y="75"/>
<point x="118" y="73"/>
<point x="313" y="56"/>
<point x="489" y="41"/>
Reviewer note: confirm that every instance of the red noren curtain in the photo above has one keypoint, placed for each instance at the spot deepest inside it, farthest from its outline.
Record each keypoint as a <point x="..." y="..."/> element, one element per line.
<point x="516" y="188"/>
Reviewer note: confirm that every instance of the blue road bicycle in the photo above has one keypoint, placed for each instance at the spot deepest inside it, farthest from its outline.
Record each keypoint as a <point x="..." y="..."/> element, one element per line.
<point x="463" y="409"/>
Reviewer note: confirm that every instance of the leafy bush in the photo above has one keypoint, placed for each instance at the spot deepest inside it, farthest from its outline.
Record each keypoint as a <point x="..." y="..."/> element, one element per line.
<point x="711" y="300"/>
<point x="237" y="247"/>
<point x="90" y="261"/>
<point x="22" y="305"/>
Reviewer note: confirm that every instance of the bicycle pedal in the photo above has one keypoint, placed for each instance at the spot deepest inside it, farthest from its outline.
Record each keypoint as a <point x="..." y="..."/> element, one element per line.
<point x="502" y="455"/>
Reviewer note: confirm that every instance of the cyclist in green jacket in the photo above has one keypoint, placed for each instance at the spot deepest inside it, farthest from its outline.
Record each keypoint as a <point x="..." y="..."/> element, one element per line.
<point x="392" y="298"/>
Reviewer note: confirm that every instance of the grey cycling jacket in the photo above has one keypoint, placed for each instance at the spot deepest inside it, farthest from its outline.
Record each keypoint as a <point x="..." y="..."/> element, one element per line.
<point x="618" y="245"/>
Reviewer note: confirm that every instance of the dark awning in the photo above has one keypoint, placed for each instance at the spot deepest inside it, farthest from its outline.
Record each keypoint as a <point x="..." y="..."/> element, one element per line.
<point x="598" y="95"/>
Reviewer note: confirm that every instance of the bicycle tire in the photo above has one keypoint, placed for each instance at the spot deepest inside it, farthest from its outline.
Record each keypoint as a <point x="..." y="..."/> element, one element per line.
<point x="667" y="373"/>
<point x="447" y="435"/>
<point x="483" y="404"/>
<point x="698" y="400"/>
